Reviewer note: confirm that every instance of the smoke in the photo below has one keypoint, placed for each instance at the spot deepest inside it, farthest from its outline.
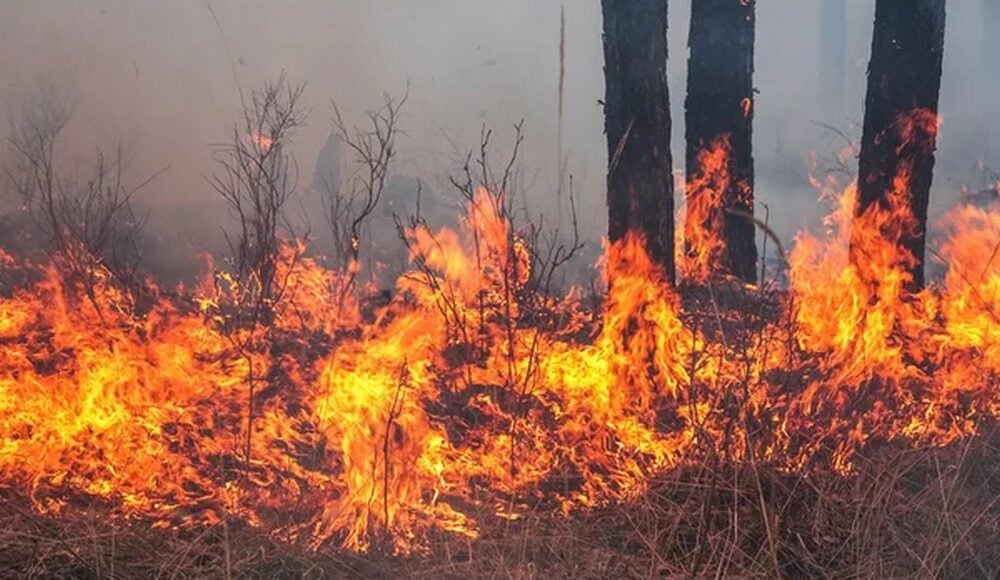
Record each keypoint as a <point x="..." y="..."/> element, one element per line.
<point x="164" y="79"/>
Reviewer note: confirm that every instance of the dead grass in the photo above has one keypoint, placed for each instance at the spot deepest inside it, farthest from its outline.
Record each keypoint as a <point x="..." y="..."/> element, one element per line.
<point x="904" y="513"/>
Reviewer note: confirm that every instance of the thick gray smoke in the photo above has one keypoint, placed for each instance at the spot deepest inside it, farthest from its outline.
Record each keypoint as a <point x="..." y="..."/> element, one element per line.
<point x="163" y="78"/>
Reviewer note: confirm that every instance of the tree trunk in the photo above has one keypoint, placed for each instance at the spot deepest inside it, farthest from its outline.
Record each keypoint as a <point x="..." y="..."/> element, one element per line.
<point x="900" y="128"/>
<point x="637" y="123"/>
<point x="833" y="57"/>
<point x="720" y="105"/>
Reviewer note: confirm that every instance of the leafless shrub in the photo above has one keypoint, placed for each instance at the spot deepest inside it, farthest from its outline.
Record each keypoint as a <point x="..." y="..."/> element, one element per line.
<point x="90" y="222"/>
<point x="522" y="271"/>
<point x="257" y="178"/>
<point x="349" y="205"/>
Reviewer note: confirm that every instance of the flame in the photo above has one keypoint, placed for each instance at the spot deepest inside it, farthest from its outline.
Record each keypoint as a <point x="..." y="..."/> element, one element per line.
<point x="470" y="392"/>
<point x="707" y="184"/>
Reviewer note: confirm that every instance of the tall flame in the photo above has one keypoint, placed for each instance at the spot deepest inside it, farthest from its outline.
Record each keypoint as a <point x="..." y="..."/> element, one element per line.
<point x="707" y="184"/>
<point x="471" y="392"/>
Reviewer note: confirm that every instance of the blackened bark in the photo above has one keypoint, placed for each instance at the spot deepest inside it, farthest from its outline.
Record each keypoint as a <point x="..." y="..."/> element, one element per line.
<point x="720" y="102"/>
<point x="904" y="82"/>
<point x="833" y="56"/>
<point x="637" y="123"/>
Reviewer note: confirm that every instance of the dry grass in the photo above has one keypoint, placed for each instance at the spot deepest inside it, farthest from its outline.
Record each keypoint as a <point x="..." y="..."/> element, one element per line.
<point x="905" y="513"/>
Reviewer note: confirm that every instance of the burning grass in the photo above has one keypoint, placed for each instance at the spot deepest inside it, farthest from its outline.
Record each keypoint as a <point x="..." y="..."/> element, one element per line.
<point x="475" y="420"/>
<point x="904" y="512"/>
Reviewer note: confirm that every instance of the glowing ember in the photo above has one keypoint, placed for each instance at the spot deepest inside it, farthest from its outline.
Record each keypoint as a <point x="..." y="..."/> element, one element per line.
<point x="264" y="142"/>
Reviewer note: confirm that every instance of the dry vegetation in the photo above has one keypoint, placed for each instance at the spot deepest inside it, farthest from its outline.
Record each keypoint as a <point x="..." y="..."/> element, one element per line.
<point x="906" y="513"/>
<point x="715" y="430"/>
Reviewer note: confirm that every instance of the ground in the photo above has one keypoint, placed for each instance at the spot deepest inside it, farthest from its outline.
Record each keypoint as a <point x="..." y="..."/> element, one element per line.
<point x="905" y="512"/>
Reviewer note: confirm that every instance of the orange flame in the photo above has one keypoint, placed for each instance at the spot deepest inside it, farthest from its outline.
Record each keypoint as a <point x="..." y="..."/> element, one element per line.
<point x="703" y="242"/>
<point x="470" y="393"/>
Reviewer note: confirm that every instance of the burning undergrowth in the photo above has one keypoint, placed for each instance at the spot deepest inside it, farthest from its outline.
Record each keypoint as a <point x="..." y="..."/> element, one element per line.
<point x="286" y="395"/>
<point x="472" y="393"/>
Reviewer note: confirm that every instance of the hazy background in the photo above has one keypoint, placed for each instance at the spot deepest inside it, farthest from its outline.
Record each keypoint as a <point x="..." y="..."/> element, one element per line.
<point x="161" y="77"/>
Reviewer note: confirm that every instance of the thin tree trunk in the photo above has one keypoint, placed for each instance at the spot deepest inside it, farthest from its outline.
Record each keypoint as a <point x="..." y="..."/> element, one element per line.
<point x="833" y="56"/>
<point x="637" y="123"/>
<point x="900" y="128"/>
<point x="720" y="105"/>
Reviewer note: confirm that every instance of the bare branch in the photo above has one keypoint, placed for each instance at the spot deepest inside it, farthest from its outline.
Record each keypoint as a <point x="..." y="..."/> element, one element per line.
<point x="257" y="178"/>
<point x="350" y="205"/>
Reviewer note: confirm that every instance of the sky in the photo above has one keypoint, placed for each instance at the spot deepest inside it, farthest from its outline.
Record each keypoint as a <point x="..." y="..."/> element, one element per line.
<point x="162" y="78"/>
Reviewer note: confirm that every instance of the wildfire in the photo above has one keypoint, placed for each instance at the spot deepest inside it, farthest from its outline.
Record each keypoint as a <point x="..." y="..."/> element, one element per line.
<point x="470" y="393"/>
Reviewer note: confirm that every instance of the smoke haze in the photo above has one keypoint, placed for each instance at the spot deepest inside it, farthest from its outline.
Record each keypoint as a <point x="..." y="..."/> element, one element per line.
<point x="164" y="77"/>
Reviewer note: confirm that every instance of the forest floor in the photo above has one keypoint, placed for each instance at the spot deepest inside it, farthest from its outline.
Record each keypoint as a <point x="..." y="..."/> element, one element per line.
<point x="904" y="512"/>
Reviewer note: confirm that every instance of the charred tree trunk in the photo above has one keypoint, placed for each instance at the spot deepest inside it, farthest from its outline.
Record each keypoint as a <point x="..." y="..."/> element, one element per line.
<point x="833" y="56"/>
<point x="900" y="129"/>
<point x="637" y="123"/>
<point x="720" y="105"/>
